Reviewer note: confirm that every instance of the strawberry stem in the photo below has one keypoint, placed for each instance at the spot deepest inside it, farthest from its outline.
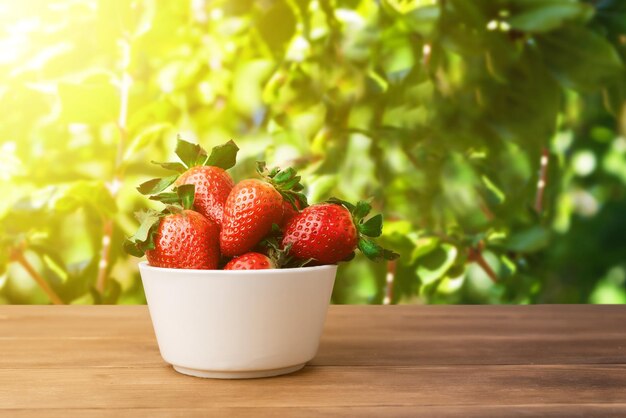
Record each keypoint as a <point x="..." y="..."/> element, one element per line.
<point x="286" y="182"/>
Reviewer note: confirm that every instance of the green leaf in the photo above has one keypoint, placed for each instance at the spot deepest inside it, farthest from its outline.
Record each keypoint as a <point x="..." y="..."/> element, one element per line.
<point x="423" y="246"/>
<point x="544" y="16"/>
<point x="261" y="168"/>
<point x="375" y="252"/>
<point x="178" y="167"/>
<point x="293" y="184"/>
<point x="277" y="25"/>
<point x="435" y="265"/>
<point x="301" y="198"/>
<point x="373" y="227"/>
<point x="182" y="196"/>
<point x="343" y="203"/>
<point x="361" y="210"/>
<point x="530" y="240"/>
<point x="167" y="198"/>
<point x="579" y="58"/>
<point x="156" y="185"/>
<point x="186" y="194"/>
<point x="223" y="156"/>
<point x="285" y="175"/>
<point x="95" y="194"/>
<point x="423" y="19"/>
<point x="495" y="194"/>
<point x="143" y="239"/>
<point x="133" y="248"/>
<point x="148" y="220"/>
<point x="190" y="154"/>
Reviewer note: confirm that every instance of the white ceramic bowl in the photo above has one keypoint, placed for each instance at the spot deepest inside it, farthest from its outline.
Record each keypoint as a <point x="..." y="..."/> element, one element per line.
<point x="238" y="324"/>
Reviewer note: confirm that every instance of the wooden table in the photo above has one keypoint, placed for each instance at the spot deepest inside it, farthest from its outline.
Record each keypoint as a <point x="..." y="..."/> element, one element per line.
<point x="466" y="361"/>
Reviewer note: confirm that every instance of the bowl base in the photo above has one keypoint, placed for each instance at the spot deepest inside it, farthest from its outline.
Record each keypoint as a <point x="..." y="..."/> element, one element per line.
<point x="248" y="374"/>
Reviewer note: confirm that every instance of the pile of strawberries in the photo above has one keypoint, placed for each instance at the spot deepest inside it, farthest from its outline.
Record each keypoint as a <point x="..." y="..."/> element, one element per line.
<point x="210" y="222"/>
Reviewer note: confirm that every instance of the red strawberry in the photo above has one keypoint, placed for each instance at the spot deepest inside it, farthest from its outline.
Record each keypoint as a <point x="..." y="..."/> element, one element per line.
<point x="250" y="261"/>
<point x="213" y="185"/>
<point x="207" y="173"/>
<point x="177" y="237"/>
<point x="251" y="209"/>
<point x="185" y="240"/>
<point x="331" y="232"/>
<point x="253" y="206"/>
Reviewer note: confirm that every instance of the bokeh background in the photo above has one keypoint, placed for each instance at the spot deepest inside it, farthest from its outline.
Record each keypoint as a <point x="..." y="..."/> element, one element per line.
<point x="490" y="133"/>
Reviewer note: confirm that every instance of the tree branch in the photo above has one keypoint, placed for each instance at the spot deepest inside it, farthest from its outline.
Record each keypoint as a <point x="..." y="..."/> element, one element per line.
<point x="18" y="256"/>
<point x="476" y="255"/>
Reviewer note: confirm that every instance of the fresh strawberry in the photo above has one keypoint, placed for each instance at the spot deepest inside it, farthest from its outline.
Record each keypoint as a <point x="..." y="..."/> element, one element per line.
<point x="207" y="173"/>
<point x="251" y="209"/>
<point x="331" y="232"/>
<point x="178" y="237"/>
<point x="185" y="240"/>
<point x="213" y="185"/>
<point x="250" y="261"/>
<point x="254" y="206"/>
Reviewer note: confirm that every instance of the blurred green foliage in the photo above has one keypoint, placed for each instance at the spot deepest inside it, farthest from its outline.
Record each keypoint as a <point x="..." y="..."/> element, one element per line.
<point x="442" y="112"/>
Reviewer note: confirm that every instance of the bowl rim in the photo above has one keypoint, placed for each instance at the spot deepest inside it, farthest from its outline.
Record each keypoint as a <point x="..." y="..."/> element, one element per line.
<point x="144" y="265"/>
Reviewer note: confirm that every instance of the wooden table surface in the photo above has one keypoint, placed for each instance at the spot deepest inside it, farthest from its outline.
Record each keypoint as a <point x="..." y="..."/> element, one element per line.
<point x="466" y="361"/>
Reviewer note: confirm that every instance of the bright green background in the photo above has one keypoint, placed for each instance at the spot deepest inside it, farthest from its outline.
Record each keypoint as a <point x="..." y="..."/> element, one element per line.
<point x="437" y="110"/>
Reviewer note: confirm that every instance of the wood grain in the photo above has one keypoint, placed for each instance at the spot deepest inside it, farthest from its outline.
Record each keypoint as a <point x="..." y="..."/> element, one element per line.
<point x="373" y="361"/>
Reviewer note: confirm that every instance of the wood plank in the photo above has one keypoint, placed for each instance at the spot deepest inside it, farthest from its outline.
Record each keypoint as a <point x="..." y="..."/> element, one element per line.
<point x="431" y="335"/>
<point x="122" y="336"/>
<point x="315" y="387"/>
<point x="467" y="411"/>
<point x="373" y="361"/>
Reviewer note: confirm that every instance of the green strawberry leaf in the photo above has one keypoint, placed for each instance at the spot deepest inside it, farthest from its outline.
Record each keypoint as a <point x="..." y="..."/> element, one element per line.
<point x="178" y="167"/>
<point x="132" y="248"/>
<point x="190" y="154"/>
<point x="156" y="185"/>
<point x="286" y="182"/>
<point x="182" y="196"/>
<point x="373" y="227"/>
<point x="390" y="255"/>
<point x="148" y="219"/>
<point x="295" y="199"/>
<point x="284" y="175"/>
<point x="186" y="194"/>
<point x="223" y="156"/>
<point x="143" y="239"/>
<point x="261" y="168"/>
<point x="343" y="203"/>
<point x="167" y="198"/>
<point x="175" y="208"/>
<point x="375" y="252"/>
<point x="293" y="182"/>
<point x="361" y="210"/>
